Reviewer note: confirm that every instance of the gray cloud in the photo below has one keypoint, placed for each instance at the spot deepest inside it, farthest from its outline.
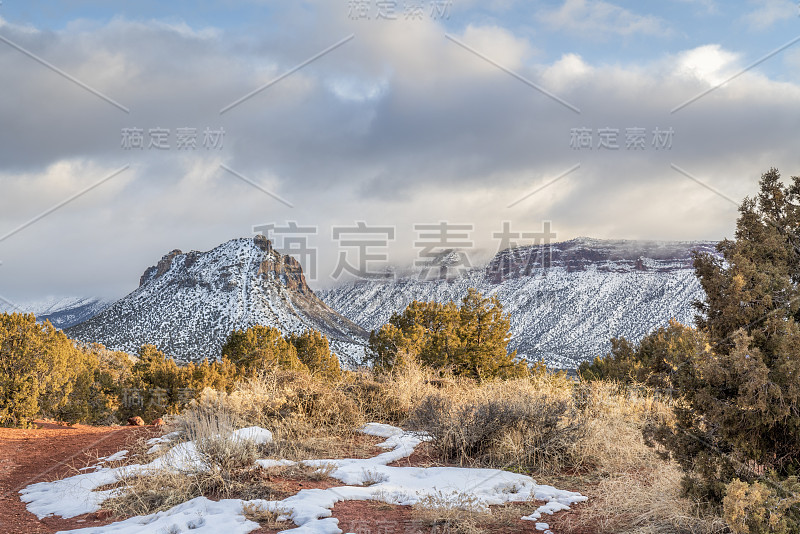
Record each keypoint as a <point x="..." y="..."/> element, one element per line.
<point x="398" y="126"/>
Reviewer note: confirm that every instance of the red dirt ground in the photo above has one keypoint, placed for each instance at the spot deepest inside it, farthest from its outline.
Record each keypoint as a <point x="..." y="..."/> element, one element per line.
<point x="47" y="453"/>
<point x="366" y="517"/>
<point x="53" y="451"/>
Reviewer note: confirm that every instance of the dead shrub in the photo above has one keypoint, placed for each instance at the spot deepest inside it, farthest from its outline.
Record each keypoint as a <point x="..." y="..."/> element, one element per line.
<point x="532" y="432"/>
<point x="304" y="472"/>
<point x="268" y="519"/>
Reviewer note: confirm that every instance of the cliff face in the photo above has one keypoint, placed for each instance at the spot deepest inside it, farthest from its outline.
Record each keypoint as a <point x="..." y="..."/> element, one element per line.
<point x="188" y="303"/>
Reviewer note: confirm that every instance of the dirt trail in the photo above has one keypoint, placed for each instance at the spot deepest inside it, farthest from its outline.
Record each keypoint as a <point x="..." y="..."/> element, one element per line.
<point x="47" y="453"/>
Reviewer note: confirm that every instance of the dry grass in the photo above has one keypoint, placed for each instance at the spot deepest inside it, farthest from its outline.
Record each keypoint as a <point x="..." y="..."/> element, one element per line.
<point x="228" y="470"/>
<point x="650" y="503"/>
<point x="462" y="513"/>
<point x="268" y="519"/>
<point x="308" y="418"/>
<point x="615" y="420"/>
<point x="583" y="437"/>
<point x="372" y="477"/>
<point x="459" y="514"/>
<point x="630" y="488"/>
<point x="303" y="472"/>
<point x="513" y="424"/>
<point x="146" y="494"/>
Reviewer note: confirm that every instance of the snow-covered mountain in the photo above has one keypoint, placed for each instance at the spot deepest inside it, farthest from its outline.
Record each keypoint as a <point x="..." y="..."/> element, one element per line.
<point x="188" y="303"/>
<point x="565" y="305"/>
<point x="62" y="312"/>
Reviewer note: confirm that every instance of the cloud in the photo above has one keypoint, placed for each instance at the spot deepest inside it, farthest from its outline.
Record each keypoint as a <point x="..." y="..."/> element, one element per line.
<point x="770" y="12"/>
<point x="599" y="18"/>
<point x="398" y="126"/>
<point x="709" y="63"/>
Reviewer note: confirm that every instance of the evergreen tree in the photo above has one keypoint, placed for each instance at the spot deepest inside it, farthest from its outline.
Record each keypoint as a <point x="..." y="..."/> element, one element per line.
<point x="466" y="340"/>
<point x="754" y="286"/>
<point x="260" y="348"/>
<point x="35" y="368"/>
<point x="485" y="332"/>
<point x="315" y="353"/>
<point x="100" y="376"/>
<point x="737" y="379"/>
<point x="747" y="391"/>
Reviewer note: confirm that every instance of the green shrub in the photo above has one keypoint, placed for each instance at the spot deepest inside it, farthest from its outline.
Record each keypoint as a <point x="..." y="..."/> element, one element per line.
<point x="315" y="353"/>
<point x="162" y="386"/>
<point x="36" y="369"/>
<point x="100" y="376"/>
<point x="759" y="508"/>
<point x="260" y="348"/>
<point x="468" y="340"/>
<point x="652" y="362"/>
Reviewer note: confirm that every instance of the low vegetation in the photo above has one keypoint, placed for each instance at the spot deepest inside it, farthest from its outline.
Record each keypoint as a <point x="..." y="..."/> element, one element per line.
<point x="517" y="424"/>
<point x="44" y="374"/>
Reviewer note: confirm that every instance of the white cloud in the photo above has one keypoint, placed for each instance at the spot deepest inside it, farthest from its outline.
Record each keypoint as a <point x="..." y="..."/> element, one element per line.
<point x="771" y="11"/>
<point x="709" y="63"/>
<point x="599" y="18"/>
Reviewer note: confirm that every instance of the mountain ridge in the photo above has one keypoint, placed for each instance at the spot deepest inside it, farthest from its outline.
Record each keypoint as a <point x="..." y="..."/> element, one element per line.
<point x="565" y="300"/>
<point x="188" y="303"/>
<point x="62" y="312"/>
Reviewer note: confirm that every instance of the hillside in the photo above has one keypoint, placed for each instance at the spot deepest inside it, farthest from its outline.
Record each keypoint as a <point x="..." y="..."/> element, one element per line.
<point x="61" y="312"/>
<point x="188" y="303"/>
<point x="565" y="312"/>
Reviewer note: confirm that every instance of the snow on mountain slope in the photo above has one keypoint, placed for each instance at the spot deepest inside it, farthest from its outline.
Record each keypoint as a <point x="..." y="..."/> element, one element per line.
<point x="62" y="312"/>
<point x="564" y="306"/>
<point x="188" y="303"/>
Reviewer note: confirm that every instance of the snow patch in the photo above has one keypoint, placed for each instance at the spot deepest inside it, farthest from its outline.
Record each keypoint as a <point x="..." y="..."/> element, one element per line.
<point x="309" y="509"/>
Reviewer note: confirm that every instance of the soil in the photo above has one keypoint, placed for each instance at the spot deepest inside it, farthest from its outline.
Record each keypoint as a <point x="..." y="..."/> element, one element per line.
<point x="50" y="452"/>
<point x="366" y="517"/>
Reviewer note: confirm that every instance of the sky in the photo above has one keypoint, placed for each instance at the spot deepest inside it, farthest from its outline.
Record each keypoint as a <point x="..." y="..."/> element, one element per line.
<point x="129" y="129"/>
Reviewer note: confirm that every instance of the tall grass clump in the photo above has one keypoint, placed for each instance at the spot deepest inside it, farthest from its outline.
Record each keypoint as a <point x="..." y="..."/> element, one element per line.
<point x="513" y="424"/>
<point x="224" y="468"/>
<point x="633" y="489"/>
<point x="306" y="415"/>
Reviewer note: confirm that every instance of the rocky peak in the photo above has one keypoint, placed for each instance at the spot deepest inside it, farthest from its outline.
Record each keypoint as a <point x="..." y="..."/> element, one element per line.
<point x="160" y="268"/>
<point x="263" y="243"/>
<point x="286" y="270"/>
